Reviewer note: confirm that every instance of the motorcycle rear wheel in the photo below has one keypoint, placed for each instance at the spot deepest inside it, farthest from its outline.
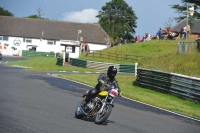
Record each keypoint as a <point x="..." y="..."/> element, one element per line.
<point x="101" y="117"/>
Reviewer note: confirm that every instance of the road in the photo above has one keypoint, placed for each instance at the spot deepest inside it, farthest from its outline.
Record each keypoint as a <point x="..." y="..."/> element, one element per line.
<point x="33" y="102"/>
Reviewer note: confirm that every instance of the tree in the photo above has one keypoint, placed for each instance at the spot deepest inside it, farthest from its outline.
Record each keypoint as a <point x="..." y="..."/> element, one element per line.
<point x="168" y="24"/>
<point x="34" y="16"/>
<point x="39" y="16"/>
<point x="4" y="12"/>
<point x="118" y="19"/>
<point x="182" y="9"/>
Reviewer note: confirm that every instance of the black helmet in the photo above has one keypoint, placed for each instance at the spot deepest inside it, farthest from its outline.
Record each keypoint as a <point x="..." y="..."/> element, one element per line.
<point x="112" y="71"/>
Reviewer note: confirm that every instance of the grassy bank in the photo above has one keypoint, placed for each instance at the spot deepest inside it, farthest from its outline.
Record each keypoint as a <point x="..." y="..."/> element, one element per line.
<point x="158" y="54"/>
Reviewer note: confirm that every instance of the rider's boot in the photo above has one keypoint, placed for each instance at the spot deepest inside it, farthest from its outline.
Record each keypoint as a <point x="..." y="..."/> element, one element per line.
<point x="84" y="102"/>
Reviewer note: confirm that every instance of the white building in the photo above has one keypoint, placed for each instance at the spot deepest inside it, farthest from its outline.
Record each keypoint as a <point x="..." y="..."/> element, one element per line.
<point x="48" y="36"/>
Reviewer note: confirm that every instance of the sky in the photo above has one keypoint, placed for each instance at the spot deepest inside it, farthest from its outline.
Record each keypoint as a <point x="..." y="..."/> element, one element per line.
<point x="152" y="14"/>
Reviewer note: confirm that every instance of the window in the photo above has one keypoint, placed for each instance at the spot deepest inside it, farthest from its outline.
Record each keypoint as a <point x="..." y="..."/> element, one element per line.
<point x="27" y="40"/>
<point x="51" y="42"/>
<point x="68" y="49"/>
<point x="4" y="38"/>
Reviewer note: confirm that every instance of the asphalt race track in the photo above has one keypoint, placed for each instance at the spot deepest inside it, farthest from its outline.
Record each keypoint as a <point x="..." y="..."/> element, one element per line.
<point x="33" y="102"/>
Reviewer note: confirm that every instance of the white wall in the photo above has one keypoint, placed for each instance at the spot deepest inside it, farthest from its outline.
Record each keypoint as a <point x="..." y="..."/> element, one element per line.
<point x="42" y="46"/>
<point x="96" y="46"/>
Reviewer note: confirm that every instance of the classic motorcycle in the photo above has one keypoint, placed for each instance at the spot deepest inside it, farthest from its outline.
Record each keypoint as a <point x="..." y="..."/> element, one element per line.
<point x="99" y="107"/>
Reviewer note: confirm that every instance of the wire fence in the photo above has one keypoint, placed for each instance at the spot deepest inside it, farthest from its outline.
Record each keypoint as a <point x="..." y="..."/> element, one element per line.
<point x="185" y="47"/>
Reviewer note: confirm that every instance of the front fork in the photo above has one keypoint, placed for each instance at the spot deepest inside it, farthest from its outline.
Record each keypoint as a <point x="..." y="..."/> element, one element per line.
<point x="104" y="103"/>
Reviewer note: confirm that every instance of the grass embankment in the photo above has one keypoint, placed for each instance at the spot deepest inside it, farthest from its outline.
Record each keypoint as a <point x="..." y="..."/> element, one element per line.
<point x="161" y="55"/>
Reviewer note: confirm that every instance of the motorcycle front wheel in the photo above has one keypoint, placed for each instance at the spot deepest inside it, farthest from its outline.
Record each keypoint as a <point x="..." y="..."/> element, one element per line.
<point x="78" y="113"/>
<point x="101" y="117"/>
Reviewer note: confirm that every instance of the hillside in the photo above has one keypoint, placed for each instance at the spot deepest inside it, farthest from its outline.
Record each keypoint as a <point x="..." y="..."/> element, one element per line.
<point x="158" y="54"/>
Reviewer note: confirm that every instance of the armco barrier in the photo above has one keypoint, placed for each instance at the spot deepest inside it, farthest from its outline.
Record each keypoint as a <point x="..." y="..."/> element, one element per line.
<point x="185" y="47"/>
<point x="59" y="62"/>
<point x="37" y="54"/>
<point x="182" y="86"/>
<point x="103" y="66"/>
<point x="78" y="62"/>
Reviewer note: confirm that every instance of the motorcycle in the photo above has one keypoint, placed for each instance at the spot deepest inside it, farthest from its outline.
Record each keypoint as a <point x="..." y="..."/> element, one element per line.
<point x="99" y="107"/>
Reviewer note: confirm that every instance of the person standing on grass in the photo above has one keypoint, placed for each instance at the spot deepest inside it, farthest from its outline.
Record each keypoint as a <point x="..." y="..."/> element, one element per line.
<point x="198" y="38"/>
<point x="107" y="41"/>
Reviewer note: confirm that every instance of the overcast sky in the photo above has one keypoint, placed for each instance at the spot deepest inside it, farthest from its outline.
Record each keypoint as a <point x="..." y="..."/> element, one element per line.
<point x="152" y="14"/>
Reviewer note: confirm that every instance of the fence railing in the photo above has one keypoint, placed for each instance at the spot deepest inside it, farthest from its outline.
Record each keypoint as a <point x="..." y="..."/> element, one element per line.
<point x="185" y="47"/>
<point x="182" y="86"/>
<point x="132" y="68"/>
<point x="113" y="56"/>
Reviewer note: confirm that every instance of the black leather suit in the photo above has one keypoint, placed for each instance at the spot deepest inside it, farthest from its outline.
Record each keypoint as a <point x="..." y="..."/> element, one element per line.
<point x="99" y="87"/>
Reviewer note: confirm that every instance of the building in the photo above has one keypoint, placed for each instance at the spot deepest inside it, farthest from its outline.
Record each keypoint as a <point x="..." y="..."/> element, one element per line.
<point x="195" y="29"/>
<point x="17" y="34"/>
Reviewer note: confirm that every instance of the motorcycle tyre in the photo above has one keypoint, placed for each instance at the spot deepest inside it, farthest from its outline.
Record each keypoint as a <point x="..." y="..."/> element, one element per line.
<point x="106" y="115"/>
<point x="78" y="116"/>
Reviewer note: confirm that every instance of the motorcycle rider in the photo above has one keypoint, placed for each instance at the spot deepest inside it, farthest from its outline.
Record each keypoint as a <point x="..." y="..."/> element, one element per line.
<point x="104" y="80"/>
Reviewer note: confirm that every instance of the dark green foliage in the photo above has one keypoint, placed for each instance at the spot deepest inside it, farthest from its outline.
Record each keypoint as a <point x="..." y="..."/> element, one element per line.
<point x="4" y="12"/>
<point x="34" y="16"/>
<point x="118" y="19"/>
<point x="182" y="9"/>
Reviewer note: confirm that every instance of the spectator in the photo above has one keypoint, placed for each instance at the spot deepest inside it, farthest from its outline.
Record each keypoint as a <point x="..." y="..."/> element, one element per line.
<point x="168" y="30"/>
<point x="158" y="34"/>
<point x="138" y="39"/>
<point x="198" y="38"/>
<point x="148" y="37"/>
<point x="181" y="32"/>
<point x="184" y="33"/>
<point x="143" y="38"/>
<point x="107" y="41"/>
<point x="88" y="48"/>
<point x="135" y="38"/>
<point x="121" y="41"/>
<point x="84" y="47"/>
<point x="154" y="37"/>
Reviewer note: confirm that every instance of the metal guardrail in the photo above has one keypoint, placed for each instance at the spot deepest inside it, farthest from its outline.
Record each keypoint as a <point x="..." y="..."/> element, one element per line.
<point x="59" y="62"/>
<point x="37" y="54"/>
<point x="182" y="86"/>
<point x="185" y="47"/>
<point x="104" y="66"/>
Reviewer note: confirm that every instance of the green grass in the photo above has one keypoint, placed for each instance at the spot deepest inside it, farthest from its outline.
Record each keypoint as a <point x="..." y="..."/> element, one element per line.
<point x="47" y="64"/>
<point x="161" y="55"/>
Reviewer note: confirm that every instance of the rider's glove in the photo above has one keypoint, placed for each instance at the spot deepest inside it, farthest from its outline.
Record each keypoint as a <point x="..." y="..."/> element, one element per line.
<point x="101" y="81"/>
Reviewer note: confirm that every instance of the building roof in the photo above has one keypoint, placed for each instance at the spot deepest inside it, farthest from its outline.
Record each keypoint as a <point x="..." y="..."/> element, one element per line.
<point x="194" y="29"/>
<point x="52" y="29"/>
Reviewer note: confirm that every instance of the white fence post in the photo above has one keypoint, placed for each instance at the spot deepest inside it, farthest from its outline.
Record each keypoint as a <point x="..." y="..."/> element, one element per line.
<point x="64" y="58"/>
<point x="136" y="64"/>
